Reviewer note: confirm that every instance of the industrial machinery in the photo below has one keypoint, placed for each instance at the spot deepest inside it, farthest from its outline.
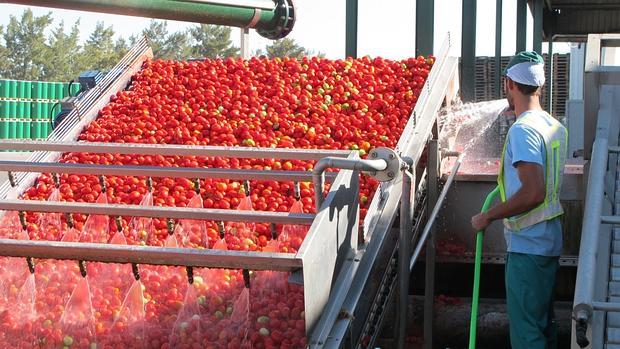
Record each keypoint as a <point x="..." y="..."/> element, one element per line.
<point x="357" y="278"/>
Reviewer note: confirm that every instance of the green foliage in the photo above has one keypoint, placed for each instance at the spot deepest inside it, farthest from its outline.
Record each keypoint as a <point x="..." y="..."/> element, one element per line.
<point x="33" y="48"/>
<point x="286" y="47"/>
<point x="25" y="46"/>
<point x="212" y="41"/>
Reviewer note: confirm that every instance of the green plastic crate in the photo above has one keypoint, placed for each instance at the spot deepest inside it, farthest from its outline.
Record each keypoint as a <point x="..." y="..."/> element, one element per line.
<point x="12" y="109"/>
<point x="27" y="110"/>
<point x="4" y="110"/>
<point x="19" y="129"/>
<point x="4" y="129"/>
<point x="35" y="129"/>
<point x="12" y="89"/>
<point x="12" y="129"/>
<point x="4" y="88"/>
<point x="24" y="90"/>
<point x="26" y="129"/>
<point x="51" y="91"/>
<point x="74" y="89"/>
<point x="36" y="89"/>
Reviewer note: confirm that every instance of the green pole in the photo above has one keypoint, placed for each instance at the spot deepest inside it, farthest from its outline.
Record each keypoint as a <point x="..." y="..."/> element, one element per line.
<point x="498" y="49"/>
<point x="424" y="27"/>
<point x="538" y="26"/>
<point x="468" y="51"/>
<point x="477" y="263"/>
<point x="521" y="25"/>
<point x="273" y="20"/>
<point x="351" y="29"/>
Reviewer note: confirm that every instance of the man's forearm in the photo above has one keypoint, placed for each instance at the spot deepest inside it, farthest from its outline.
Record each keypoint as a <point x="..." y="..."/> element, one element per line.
<point x="517" y="204"/>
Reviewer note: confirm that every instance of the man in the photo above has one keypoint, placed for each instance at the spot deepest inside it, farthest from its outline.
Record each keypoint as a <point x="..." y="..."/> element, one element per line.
<point x="530" y="178"/>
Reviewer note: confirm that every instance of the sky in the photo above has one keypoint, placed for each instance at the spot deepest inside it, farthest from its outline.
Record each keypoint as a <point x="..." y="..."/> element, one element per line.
<point x="387" y="31"/>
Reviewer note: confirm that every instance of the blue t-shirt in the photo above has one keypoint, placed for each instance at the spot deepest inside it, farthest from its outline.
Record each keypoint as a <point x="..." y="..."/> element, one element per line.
<point x="525" y="144"/>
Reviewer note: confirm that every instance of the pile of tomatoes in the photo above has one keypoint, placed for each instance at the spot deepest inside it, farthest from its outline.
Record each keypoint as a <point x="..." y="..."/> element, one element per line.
<point x="311" y="103"/>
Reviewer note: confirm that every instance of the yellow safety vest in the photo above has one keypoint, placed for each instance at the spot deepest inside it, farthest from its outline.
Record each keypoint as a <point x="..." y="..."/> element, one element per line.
<point x="556" y="139"/>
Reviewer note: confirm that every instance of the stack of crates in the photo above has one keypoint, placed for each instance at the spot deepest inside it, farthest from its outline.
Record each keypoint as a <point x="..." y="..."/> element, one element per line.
<point x="28" y="107"/>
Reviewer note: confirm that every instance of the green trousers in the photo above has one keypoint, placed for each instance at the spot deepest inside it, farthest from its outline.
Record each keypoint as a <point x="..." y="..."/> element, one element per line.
<point x="530" y="284"/>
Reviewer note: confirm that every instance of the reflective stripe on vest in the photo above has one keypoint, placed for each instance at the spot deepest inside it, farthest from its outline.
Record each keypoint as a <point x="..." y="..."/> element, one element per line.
<point x="556" y="139"/>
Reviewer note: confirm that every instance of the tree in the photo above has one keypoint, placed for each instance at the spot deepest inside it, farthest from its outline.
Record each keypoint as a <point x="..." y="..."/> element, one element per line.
<point x="165" y="45"/>
<point x="212" y="41"/>
<point x="99" y="51"/>
<point x="286" y="47"/>
<point x="25" y="46"/>
<point x="65" y="50"/>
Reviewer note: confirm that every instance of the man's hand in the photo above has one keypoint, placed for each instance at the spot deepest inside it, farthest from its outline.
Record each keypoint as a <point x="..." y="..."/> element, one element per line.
<point x="480" y="221"/>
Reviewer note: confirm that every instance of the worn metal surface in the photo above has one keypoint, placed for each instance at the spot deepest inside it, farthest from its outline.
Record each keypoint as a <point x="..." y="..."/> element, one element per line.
<point x="156" y="211"/>
<point x="111" y="253"/>
<point x="332" y="240"/>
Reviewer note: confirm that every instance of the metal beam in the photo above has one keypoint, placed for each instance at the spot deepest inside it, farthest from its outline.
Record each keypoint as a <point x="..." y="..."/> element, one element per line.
<point x="351" y="28"/>
<point x="110" y="253"/>
<point x="498" y="48"/>
<point x="157" y="171"/>
<point x="549" y="81"/>
<point x="521" y="25"/>
<point x="171" y="150"/>
<point x="429" y="273"/>
<point x="424" y="27"/>
<point x="157" y="211"/>
<point x="468" y="51"/>
<point x="538" y="26"/>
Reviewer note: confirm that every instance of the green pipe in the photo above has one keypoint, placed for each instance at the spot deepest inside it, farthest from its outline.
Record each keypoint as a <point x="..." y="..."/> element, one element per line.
<point x="273" y="22"/>
<point x="477" y="264"/>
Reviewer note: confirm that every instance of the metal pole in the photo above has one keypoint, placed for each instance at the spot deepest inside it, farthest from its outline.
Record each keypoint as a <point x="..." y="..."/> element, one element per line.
<point x="424" y="27"/>
<point x="157" y="211"/>
<point x="435" y="212"/>
<point x="245" y="43"/>
<point x="429" y="275"/>
<point x="538" y="26"/>
<point x="172" y="150"/>
<point x="498" y="48"/>
<point x="468" y="51"/>
<point x="521" y="25"/>
<point x="157" y="171"/>
<point x="404" y="251"/>
<point x="111" y="253"/>
<point x="586" y="269"/>
<point x="550" y="77"/>
<point x="351" y="29"/>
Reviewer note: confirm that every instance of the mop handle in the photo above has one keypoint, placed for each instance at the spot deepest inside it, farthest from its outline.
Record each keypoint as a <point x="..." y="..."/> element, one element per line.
<point x="477" y="263"/>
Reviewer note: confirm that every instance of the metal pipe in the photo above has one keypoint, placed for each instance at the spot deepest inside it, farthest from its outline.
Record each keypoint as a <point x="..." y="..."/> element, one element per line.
<point x="171" y="150"/>
<point x="344" y="164"/>
<point x="614" y="150"/>
<point x="606" y="306"/>
<point x="274" y="22"/>
<point x="406" y="216"/>
<point x="110" y="253"/>
<point x="610" y="219"/>
<point x="586" y="267"/>
<point x="157" y="171"/>
<point x="157" y="211"/>
<point x="433" y="215"/>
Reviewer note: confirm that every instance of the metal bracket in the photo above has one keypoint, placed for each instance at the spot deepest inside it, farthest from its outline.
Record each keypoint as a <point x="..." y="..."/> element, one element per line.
<point x="393" y="161"/>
